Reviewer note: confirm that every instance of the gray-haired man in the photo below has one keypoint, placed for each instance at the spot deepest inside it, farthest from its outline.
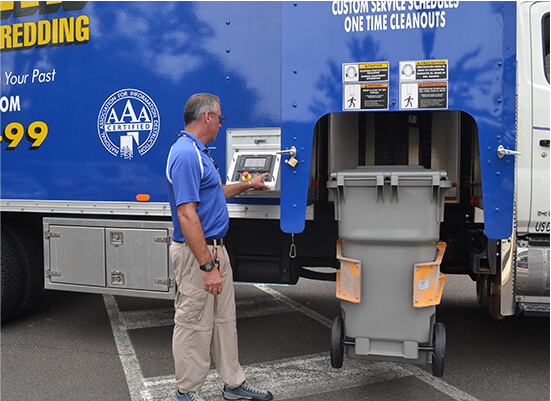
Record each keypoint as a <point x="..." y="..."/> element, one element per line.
<point x="205" y="321"/>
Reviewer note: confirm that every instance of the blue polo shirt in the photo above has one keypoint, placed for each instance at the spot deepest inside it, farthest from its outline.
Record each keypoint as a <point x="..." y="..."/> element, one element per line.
<point x="193" y="177"/>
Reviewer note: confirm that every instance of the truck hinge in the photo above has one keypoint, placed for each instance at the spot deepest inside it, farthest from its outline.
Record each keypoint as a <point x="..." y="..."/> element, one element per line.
<point x="51" y="273"/>
<point x="165" y="240"/>
<point x="49" y="234"/>
<point x="168" y="281"/>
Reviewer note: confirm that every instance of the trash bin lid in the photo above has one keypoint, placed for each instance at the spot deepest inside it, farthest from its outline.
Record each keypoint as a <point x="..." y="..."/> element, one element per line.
<point x="393" y="175"/>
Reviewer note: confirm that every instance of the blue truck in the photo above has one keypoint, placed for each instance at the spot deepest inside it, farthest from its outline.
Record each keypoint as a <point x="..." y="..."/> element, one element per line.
<point x="92" y="97"/>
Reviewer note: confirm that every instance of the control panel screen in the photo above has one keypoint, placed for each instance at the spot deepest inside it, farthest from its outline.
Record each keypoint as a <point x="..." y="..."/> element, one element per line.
<point x="254" y="162"/>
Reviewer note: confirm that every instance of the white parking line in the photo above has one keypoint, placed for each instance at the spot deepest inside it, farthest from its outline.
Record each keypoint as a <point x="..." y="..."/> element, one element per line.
<point x="143" y="319"/>
<point x="295" y="377"/>
<point x="127" y="354"/>
<point x="288" y="378"/>
<point x="439" y="384"/>
<point x="295" y="305"/>
<point x="413" y="370"/>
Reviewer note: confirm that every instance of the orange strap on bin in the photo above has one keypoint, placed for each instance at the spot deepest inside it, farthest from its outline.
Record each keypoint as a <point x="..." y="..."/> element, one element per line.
<point x="349" y="278"/>
<point x="428" y="282"/>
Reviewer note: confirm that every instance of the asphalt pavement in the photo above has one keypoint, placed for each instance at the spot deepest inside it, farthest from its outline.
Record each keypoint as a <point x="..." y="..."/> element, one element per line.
<point x="94" y="347"/>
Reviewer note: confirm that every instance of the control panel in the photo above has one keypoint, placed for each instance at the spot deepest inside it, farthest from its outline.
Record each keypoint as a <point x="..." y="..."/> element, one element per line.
<point x="248" y="165"/>
<point x="253" y="152"/>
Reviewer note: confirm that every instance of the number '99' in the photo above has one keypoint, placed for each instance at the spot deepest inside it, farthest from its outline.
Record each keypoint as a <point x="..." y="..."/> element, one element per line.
<point x="35" y="133"/>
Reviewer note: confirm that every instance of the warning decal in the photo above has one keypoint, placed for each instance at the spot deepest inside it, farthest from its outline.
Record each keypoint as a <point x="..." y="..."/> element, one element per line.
<point x="423" y="70"/>
<point x="374" y="96"/>
<point x="433" y="95"/>
<point x="424" y="95"/>
<point x="416" y="92"/>
<point x="435" y="69"/>
<point x="366" y="97"/>
<point x="423" y="85"/>
<point x="365" y="72"/>
<point x="365" y="85"/>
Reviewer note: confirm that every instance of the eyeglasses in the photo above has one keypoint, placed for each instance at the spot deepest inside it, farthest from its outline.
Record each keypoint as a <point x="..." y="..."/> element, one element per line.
<point x="221" y="118"/>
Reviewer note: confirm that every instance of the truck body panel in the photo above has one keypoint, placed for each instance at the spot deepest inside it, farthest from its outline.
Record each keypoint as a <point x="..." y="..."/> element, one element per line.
<point x="153" y="55"/>
<point x="481" y="81"/>
<point x="265" y="63"/>
<point x="533" y="123"/>
<point x="92" y="97"/>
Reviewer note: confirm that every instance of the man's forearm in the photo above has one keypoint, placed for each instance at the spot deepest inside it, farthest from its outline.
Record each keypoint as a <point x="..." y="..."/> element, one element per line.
<point x="235" y="189"/>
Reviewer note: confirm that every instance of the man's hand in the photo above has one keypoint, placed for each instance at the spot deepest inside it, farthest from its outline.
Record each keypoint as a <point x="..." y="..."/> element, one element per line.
<point x="212" y="281"/>
<point x="257" y="182"/>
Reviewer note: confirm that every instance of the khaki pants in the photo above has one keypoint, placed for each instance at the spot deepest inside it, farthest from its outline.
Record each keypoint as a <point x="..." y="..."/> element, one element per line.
<point x="205" y="324"/>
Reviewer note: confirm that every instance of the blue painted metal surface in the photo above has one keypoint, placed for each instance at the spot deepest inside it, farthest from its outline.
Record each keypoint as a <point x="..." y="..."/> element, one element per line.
<point x="168" y="51"/>
<point x="477" y="38"/>
<point x="272" y="64"/>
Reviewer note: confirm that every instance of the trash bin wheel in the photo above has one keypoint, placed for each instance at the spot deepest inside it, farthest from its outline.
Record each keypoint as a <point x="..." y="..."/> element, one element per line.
<point x="439" y="353"/>
<point x="337" y="343"/>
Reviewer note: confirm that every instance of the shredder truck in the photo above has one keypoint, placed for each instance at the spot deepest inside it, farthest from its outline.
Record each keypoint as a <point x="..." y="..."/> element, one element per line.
<point x="92" y="97"/>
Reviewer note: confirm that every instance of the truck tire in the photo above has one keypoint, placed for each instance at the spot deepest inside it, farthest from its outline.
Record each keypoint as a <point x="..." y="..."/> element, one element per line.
<point x="22" y="277"/>
<point x="12" y="281"/>
<point x="482" y="290"/>
<point x="494" y="298"/>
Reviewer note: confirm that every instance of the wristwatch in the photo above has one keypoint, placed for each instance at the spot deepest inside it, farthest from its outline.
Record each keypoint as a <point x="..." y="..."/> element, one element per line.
<point x="208" y="266"/>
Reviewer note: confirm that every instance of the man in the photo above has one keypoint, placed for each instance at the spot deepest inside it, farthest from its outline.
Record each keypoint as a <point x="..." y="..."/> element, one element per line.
<point x="205" y="322"/>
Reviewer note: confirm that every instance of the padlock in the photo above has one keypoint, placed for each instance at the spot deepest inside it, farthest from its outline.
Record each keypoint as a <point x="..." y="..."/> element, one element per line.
<point x="292" y="162"/>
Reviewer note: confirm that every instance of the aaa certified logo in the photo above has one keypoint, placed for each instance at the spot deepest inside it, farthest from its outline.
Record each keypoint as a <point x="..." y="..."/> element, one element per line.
<point x="128" y="119"/>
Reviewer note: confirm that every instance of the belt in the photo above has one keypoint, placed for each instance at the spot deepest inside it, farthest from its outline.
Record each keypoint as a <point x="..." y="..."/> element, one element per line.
<point x="215" y="242"/>
<point x="210" y="241"/>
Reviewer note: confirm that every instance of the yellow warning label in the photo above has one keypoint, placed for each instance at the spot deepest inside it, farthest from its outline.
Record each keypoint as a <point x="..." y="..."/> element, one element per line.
<point x="374" y="85"/>
<point x="373" y="65"/>
<point x="432" y="62"/>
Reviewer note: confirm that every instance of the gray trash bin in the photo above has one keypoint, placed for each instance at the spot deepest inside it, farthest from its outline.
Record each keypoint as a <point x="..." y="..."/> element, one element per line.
<point x="389" y="281"/>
